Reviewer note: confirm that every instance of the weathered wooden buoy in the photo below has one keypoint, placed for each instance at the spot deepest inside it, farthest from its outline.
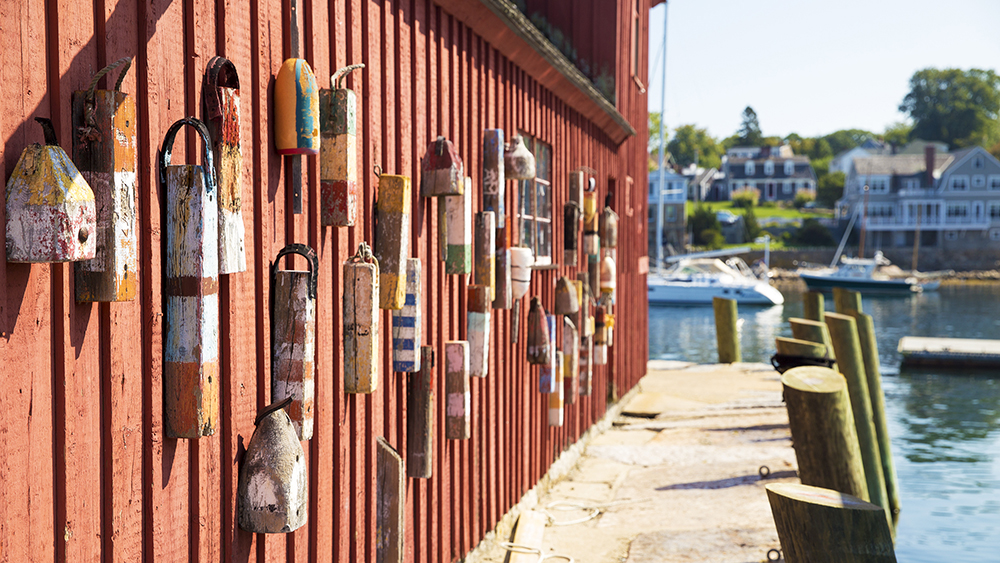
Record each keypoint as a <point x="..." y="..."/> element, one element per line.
<point x="406" y="323"/>
<point x="594" y="275"/>
<point x="556" y="397"/>
<point x="547" y="374"/>
<point x="361" y="291"/>
<point x="600" y="337"/>
<point x="584" y="321"/>
<point x="518" y="162"/>
<point x="539" y="352"/>
<point x="586" y="365"/>
<point x="443" y="172"/>
<point x="458" y="221"/>
<point x="105" y="153"/>
<point x="293" y="337"/>
<point x="567" y="302"/>
<point x="503" y="295"/>
<point x="51" y="213"/>
<point x="609" y="323"/>
<point x="485" y="262"/>
<point x="296" y="109"/>
<point x="392" y="238"/>
<point x="191" y="288"/>
<point x="571" y="359"/>
<point x="390" y="502"/>
<point x="338" y="169"/>
<point x="571" y="232"/>
<point x="494" y="185"/>
<point x="591" y="231"/>
<point x="222" y="115"/>
<point x="521" y="260"/>
<point x="608" y="276"/>
<point x="479" y="330"/>
<point x="273" y="491"/>
<point x="608" y="228"/>
<point x="458" y="422"/>
<point x="420" y="418"/>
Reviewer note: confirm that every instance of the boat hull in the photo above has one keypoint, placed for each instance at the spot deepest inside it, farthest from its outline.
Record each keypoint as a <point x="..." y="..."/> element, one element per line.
<point x="867" y="286"/>
<point x="680" y="293"/>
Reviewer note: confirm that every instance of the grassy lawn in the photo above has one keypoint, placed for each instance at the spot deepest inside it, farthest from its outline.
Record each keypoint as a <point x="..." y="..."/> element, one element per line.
<point x="764" y="212"/>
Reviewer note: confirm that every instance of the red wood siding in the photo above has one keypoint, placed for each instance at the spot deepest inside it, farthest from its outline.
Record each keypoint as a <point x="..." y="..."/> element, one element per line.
<point x="88" y="472"/>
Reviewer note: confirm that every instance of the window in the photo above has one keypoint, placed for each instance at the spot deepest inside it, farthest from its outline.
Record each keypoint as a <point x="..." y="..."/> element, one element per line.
<point x="911" y="184"/>
<point x="536" y="203"/>
<point x="993" y="182"/>
<point x="786" y="188"/>
<point x="978" y="181"/>
<point x="768" y="168"/>
<point x="881" y="210"/>
<point x="959" y="183"/>
<point x="748" y="168"/>
<point x="789" y="168"/>
<point x="879" y="186"/>
<point x="994" y="209"/>
<point x="958" y="210"/>
<point x="978" y="162"/>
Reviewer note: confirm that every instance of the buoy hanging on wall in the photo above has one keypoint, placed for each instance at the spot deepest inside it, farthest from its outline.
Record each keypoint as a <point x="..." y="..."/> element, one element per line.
<point x="521" y="260"/>
<point x="293" y="337"/>
<point x="608" y="277"/>
<point x="390" y="499"/>
<point x="420" y="418"/>
<point x="586" y="365"/>
<point x="584" y="322"/>
<point x="518" y="162"/>
<point x="392" y="238"/>
<point x="539" y="352"/>
<point x="478" y="330"/>
<point x="338" y="168"/>
<point x="556" y="397"/>
<point x="459" y="407"/>
<point x="567" y="302"/>
<point x="600" y="338"/>
<point x="494" y="185"/>
<point x="608" y="228"/>
<point x="442" y="172"/>
<point x="296" y="109"/>
<point x="571" y="359"/>
<point x="191" y="289"/>
<point x="547" y="375"/>
<point x="51" y="214"/>
<point x="485" y="262"/>
<point x="361" y="291"/>
<point x="571" y="230"/>
<point x="503" y="295"/>
<point x="591" y="234"/>
<point x="458" y="231"/>
<point x="273" y="491"/>
<point x="105" y="152"/>
<point x="222" y="115"/>
<point x="406" y="323"/>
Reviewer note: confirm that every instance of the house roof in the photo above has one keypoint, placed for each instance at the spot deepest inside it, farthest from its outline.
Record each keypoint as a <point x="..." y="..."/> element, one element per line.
<point x="899" y="164"/>
<point x="802" y="169"/>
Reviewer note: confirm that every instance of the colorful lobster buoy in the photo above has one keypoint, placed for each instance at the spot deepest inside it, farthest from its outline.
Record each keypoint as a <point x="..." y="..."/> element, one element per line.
<point x="479" y="330"/>
<point x="521" y="260"/>
<point x="608" y="228"/>
<point x="458" y="414"/>
<point x="494" y="173"/>
<point x="406" y="323"/>
<point x="273" y="489"/>
<point x="547" y="375"/>
<point x="518" y="162"/>
<point x="608" y="276"/>
<point x="191" y="288"/>
<point x="392" y="238"/>
<point x="571" y="232"/>
<point x="105" y="152"/>
<point x="296" y="109"/>
<point x="571" y="359"/>
<point x="443" y="172"/>
<point x="567" y="302"/>
<point x="503" y="295"/>
<point x="586" y="365"/>
<point x="293" y="337"/>
<point x="420" y="418"/>
<point x="485" y="263"/>
<point x="584" y="321"/>
<point x="361" y="291"/>
<point x="458" y="231"/>
<point x="222" y="111"/>
<point x="600" y="337"/>
<point x="576" y="180"/>
<point x="338" y="168"/>
<point x="51" y="214"/>
<point x="556" y="397"/>
<point x="539" y="351"/>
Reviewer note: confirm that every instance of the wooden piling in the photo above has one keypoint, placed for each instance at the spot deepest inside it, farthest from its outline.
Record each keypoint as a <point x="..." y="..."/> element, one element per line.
<point x="846" y="301"/>
<point x="726" y="332"/>
<point x="846" y="345"/>
<point x="813" y="306"/>
<point x="823" y="434"/>
<point x="822" y="526"/>
<point x="869" y="351"/>
<point x="800" y="348"/>
<point x="813" y="331"/>
<point x="420" y="418"/>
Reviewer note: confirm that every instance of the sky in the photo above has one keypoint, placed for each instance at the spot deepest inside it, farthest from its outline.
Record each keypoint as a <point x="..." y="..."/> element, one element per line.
<point x="807" y="66"/>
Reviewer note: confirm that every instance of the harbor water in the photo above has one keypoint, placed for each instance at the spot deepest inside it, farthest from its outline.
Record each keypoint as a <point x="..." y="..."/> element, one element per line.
<point x="945" y="425"/>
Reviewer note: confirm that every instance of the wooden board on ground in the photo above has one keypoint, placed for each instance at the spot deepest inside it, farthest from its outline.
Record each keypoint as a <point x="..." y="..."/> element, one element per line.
<point x="528" y="534"/>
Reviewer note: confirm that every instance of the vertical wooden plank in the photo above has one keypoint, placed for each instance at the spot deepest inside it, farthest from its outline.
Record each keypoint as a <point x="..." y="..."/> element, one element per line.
<point x="479" y="331"/>
<point x="420" y="418"/>
<point x="389" y="500"/>
<point x="457" y="391"/>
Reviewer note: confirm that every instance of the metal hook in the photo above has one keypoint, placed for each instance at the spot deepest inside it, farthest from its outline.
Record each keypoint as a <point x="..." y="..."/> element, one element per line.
<point x="339" y="76"/>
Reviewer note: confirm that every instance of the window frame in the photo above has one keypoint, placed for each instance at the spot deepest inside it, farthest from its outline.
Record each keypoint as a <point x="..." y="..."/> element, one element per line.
<point x="789" y="167"/>
<point x="768" y="168"/>
<point x="954" y="180"/>
<point x="878" y="185"/>
<point x="528" y="193"/>
<point x="749" y="168"/>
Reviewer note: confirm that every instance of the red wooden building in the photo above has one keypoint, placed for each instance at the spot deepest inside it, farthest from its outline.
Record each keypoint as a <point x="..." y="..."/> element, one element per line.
<point x="88" y="473"/>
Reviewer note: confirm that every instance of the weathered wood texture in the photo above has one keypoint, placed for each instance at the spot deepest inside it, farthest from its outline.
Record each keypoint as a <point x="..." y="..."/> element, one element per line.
<point x="84" y="409"/>
<point x="389" y="504"/>
<point x="813" y="306"/>
<point x="420" y="418"/>
<point x="458" y="393"/>
<point x="406" y="323"/>
<point x="726" y="332"/>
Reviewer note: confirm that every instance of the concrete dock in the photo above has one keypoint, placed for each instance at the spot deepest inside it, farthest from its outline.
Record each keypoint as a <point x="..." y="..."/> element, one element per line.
<point x="677" y="475"/>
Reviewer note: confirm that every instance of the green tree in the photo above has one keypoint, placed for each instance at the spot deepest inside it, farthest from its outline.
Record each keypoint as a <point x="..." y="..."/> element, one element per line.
<point x="690" y="141"/>
<point x="749" y="132"/>
<point x="821" y="166"/>
<point x="897" y="133"/>
<point x="954" y="106"/>
<point x="701" y="220"/>
<point x="654" y="136"/>
<point x="844" y="139"/>
<point x="812" y="233"/>
<point x="750" y="223"/>
<point x="829" y="188"/>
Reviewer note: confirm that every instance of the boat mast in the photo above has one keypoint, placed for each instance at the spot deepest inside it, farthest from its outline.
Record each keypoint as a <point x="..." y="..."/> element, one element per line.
<point x="916" y="241"/>
<point x="864" y="218"/>
<point x="663" y="125"/>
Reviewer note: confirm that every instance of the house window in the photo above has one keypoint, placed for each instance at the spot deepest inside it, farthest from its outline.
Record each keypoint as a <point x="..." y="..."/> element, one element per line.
<point x="959" y="183"/>
<point x="786" y="188"/>
<point x="748" y="168"/>
<point x="789" y="168"/>
<point x="879" y="186"/>
<point x="978" y="163"/>
<point x="536" y="203"/>
<point x="978" y="181"/>
<point x="768" y="168"/>
<point x="911" y="184"/>
<point x="881" y="210"/>
<point x="993" y="182"/>
<point x="957" y="210"/>
<point x="994" y="210"/>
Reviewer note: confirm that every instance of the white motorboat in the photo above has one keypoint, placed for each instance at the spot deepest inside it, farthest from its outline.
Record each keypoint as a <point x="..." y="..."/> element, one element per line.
<point x="695" y="281"/>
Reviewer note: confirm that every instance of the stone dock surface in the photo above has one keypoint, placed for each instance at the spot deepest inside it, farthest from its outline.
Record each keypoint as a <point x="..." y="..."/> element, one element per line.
<point x="677" y="476"/>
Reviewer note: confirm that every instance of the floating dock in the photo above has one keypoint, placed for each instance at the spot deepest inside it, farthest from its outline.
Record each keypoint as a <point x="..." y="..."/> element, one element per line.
<point x="949" y="352"/>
